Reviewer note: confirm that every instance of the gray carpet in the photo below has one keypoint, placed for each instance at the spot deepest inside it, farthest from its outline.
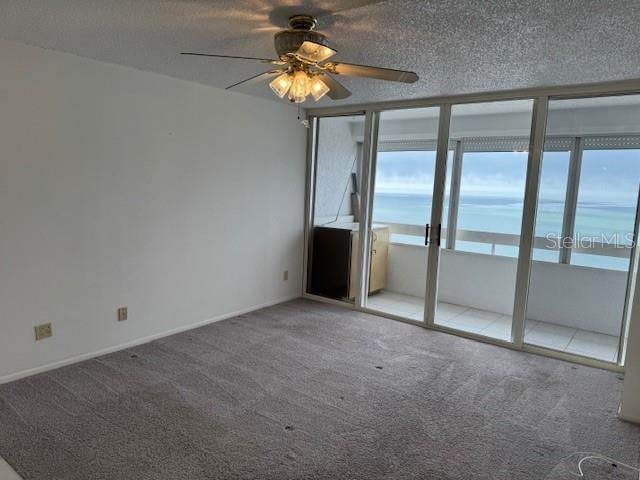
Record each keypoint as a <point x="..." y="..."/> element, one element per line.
<point x="305" y="390"/>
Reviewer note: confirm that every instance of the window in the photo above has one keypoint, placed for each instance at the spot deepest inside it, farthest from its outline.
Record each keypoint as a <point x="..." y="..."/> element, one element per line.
<point x="579" y="305"/>
<point x="404" y="186"/>
<point x="491" y="196"/>
<point x="489" y="206"/>
<point x="404" y="190"/>
<point x="605" y="213"/>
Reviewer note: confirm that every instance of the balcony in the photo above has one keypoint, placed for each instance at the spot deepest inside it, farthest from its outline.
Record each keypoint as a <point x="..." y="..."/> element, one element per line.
<point x="476" y="290"/>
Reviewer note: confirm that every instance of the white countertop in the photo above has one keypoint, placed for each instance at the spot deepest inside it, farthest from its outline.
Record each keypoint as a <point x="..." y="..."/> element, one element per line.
<point x="353" y="226"/>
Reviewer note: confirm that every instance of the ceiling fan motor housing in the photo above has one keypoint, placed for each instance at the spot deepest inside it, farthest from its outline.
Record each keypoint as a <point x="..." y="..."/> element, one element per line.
<point x="301" y="30"/>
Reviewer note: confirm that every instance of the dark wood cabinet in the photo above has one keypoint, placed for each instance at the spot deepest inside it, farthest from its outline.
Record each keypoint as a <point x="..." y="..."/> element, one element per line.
<point x="332" y="269"/>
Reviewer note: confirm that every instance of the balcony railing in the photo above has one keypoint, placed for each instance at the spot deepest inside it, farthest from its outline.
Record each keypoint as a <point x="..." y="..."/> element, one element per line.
<point x="511" y="240"/>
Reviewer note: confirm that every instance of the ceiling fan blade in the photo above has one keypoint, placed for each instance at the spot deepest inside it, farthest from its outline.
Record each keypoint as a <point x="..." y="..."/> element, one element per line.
<point x="337" y="91"/>
<point x="354" y="70"/>
<point x="256" y="78"/>
<point x="313" y="52"/>
<point x="233" y="57"/>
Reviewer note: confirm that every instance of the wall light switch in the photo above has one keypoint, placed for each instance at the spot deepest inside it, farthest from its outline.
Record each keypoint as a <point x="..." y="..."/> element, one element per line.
<point x="123" y="314"/>
<point x="285" y="275"/>
<point x="43" y="331"/>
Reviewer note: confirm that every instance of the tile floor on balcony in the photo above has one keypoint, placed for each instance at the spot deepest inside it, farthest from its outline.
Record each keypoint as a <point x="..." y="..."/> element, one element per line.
<point x="497" y="325"/>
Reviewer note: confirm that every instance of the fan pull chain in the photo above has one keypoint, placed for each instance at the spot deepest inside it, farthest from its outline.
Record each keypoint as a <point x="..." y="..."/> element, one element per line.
<point x="302" y="117"/>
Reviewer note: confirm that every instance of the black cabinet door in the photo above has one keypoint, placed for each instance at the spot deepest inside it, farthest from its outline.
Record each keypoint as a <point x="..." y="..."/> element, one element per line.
<point x="330" y="262"/>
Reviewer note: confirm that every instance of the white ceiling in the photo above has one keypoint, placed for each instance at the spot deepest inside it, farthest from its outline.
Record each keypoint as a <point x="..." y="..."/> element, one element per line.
<point x="456" y="46"/>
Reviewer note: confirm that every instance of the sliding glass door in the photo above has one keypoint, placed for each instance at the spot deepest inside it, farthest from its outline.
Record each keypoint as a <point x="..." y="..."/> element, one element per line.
<point x="332" y="262"/>
<point x="478" y="257"/>
<point x="580" y="277"/>
<point x="468" y="231"/>
<point x="402" y="201"/>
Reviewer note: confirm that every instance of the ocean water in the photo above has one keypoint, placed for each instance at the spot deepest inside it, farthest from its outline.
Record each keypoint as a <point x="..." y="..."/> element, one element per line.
<point x="504" y="215"/>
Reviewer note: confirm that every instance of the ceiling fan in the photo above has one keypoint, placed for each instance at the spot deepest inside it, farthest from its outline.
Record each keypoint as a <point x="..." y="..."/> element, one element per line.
<point x="301" y="68"/>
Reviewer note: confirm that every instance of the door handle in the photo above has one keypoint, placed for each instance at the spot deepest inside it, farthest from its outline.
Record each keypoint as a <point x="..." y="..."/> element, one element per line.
<point x="426" y="235"/>
<point x="439" y="233"/>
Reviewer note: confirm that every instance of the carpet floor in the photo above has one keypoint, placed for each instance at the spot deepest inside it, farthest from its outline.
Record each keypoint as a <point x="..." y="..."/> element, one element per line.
<point x="304" y="390"/>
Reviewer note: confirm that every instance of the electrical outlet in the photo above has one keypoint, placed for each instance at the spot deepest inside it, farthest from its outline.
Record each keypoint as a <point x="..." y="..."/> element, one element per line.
<point x="285" y="275"/>
<point x="123" y="314"/>
<point x="43" y="331"/>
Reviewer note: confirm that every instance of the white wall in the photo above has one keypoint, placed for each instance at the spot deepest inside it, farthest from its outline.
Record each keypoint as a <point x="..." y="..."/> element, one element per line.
<point x="120" y="187"/>
<point x="407" y="269"/>
<point x="580" y="297"/>
<point x="337" y="158"/>
<point x="479" y="281"/>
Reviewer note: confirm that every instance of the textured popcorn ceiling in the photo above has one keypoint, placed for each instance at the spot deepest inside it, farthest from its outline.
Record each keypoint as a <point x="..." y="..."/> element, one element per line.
<point x="456" y="46"/>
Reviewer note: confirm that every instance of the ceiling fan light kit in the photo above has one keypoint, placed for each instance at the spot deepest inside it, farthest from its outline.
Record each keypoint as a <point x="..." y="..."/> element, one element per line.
<point x="303" y="67"/>
<point x="299" y="85"/>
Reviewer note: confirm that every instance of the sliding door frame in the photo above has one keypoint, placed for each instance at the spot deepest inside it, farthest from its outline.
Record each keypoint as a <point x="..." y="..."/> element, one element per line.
<point x="367" y="187"/>
<point x="525" y="250"/>
<point x="439" y="185"/>
<point x="630" y="287"/>
<point x="372" y="111"/>
<point x="312" y="149"/>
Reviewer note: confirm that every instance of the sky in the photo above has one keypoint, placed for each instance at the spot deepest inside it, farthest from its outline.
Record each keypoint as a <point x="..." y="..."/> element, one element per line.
<point x="610" y="177"/>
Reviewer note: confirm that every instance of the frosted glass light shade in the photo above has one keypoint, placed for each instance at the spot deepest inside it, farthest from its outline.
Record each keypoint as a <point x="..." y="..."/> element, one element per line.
<point x="315" y="52"/>
<point x="300" y="87"/>
<point x="318" y="88"/>
<point x="281" y="84"/>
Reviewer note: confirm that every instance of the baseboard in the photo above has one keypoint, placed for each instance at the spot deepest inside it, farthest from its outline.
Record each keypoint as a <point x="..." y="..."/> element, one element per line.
<point x="87" y="356"/>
